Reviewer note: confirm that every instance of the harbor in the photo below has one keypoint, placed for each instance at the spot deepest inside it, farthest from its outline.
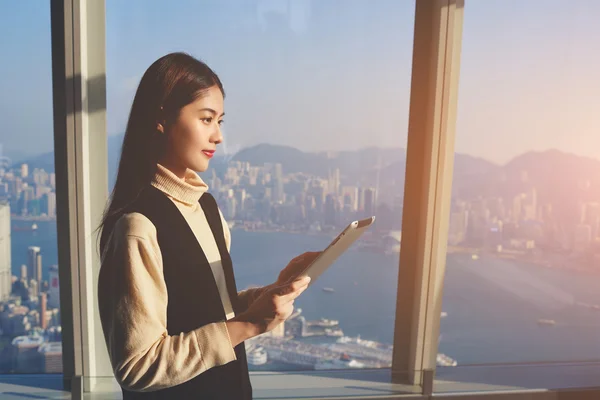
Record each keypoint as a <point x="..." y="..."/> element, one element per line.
<point x="319" y="345"/>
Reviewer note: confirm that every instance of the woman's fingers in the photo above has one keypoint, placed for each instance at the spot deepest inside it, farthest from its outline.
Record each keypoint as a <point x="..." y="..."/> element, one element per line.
<point x="297" y="265"/>
<point x="292" y="290"/>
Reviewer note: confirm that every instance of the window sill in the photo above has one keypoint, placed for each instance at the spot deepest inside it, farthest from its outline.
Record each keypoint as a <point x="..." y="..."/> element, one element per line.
<point x="330" y="385"/>
<point x="511" y="382"/>
<point x="517" y="377"/>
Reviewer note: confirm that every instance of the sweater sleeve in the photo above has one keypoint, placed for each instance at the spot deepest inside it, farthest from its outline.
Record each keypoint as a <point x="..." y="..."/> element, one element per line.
<point x="133" y="311"/>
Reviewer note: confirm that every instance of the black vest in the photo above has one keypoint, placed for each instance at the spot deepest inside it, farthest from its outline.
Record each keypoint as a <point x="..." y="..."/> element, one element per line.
<point x="194" y="299"/>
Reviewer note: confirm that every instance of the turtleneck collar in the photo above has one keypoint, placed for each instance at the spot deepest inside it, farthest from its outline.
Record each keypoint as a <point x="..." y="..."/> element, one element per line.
<point x="187" y="190"/>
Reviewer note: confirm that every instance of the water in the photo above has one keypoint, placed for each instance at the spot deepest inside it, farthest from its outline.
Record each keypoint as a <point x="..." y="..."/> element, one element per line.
<point x="44" y="237"/>
<point x="493" y="306"/>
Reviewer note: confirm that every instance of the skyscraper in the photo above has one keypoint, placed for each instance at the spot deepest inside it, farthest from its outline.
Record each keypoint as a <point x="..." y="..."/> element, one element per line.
<point x="34" y="263"/>
<point x="53" y="292"/>
<point x="334" y="181"/>
<point x="5" y="260"/>
<point x="331" y="210"/>
<point x="370" y="201"/>
<point x="49" y="204"/>
<point x="278" y="183"/>
<point x="44" y="309"/>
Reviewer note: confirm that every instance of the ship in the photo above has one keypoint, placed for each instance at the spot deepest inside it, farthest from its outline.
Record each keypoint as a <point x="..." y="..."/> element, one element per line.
<point x="256" y="355"/>
<point x="328" y="290"/>
<point x="33" y="228"/>
<point x="443" y="360"/>
<point x="324" y="323"/>
<point x="323" y="327"/>
<point x="343" y="362"/>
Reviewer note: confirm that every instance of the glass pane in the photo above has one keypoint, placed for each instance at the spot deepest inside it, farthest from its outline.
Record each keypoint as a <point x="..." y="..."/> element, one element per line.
<point x="30" y="331"/>
<point x="317" y="96"/>
<point x="524" y="246"/>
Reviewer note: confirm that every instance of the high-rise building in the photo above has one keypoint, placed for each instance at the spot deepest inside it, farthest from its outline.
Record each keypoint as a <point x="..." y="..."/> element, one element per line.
<point x="278" y="193"/>
<point x="240" y="196"/>
<point x="331" y="210"/>
<point x="591" y="216"/>
<point x="5" y="255"/>
<point x="53" y="291"/>
<point x="458" y="227"/>
<point x="49" y="204"/>
<point x="27" y="195"/>
<point x="24" y="170"/>
<point x="43" y="310"/>
<point x="33" y="288"/>
<point x="352" y="193"/>
<point x="34" y="263"/>
<point x="334" y="181"/>
<point x="517" y="208"/>
<point x="370" y="201"/>
<point x="319" y="193"/>
<point x="24" y="272"/>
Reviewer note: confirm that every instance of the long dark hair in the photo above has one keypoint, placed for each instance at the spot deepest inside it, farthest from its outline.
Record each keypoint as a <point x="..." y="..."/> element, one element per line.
<point x="168" y="85"/>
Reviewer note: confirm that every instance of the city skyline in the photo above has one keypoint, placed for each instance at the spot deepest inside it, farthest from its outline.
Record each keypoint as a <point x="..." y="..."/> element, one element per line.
<point x="523" y="108"/>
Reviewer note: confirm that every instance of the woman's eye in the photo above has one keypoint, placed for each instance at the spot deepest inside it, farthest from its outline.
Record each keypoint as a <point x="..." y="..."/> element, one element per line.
<point x="207" y="120"/>
<point x="221" y="122"/>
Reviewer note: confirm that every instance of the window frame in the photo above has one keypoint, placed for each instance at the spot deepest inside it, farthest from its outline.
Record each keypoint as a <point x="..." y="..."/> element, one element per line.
<point x="81" y="160"/>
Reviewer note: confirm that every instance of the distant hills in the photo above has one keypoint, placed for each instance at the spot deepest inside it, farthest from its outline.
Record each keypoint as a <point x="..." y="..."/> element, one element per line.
<point x="560" y="178"/>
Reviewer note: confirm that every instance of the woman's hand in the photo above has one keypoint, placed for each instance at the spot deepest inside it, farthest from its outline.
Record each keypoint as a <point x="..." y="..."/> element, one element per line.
<point x="296" y="266"/>
<point x="291" y="271"/>
<point x="272" y="308"/>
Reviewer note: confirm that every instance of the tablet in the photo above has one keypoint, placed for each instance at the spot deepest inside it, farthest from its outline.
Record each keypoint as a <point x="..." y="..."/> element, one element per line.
<point x="335" y="249"/>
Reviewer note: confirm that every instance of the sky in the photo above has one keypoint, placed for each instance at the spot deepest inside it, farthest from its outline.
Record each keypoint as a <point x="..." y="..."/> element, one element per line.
<point x="331" y="74"/>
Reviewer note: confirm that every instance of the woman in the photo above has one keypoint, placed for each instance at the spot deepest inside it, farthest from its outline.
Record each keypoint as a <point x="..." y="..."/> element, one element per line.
<point x="172" y="318"/>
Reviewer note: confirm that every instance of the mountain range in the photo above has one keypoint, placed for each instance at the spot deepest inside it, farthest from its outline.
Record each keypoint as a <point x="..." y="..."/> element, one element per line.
<point x="559" y="178"/>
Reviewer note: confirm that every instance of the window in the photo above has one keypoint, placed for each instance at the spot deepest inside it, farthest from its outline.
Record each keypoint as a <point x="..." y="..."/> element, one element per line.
<point x="315" y="136"/>
<point x="30" y="329"/>
<point x="524" y="243"/>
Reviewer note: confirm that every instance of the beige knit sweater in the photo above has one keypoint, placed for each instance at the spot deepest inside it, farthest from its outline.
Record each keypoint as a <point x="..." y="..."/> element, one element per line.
<point x="134" y="313"/>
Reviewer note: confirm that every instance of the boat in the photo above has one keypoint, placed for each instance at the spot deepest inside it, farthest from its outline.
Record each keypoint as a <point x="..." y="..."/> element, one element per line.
<point x="474" y="257"/>
<point x="257" y="355"/>
<point x="443" y="360"/>
<point x="26" y="228"/>
<point x="343" y="362"/>
<point x="328" y="290"/>
<point x="325" y="323"/>
<point x="444" y="314"/>
<point x="335" y="332"/>
<point x="546" y="322"/>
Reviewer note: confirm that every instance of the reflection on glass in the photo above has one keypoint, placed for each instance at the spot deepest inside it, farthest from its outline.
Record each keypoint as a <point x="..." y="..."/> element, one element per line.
<point x="522" y="280"/>
<point x="30" y="331"/>
<point x="316" y="115"/>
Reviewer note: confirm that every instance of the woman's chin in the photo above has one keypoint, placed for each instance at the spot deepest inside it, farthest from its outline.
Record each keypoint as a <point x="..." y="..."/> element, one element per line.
<point x="202" y="166"/>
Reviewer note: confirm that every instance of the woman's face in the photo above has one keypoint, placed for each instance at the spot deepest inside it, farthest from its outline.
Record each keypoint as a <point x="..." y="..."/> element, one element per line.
<point x="193" y="137"/>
